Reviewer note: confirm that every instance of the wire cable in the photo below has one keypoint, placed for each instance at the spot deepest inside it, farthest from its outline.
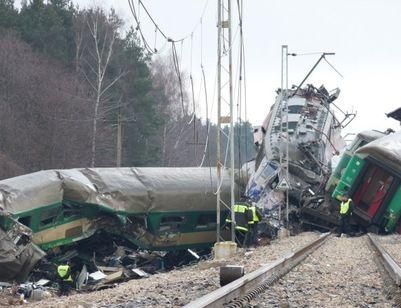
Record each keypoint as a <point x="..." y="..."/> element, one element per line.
<point x="332" y="66"/>
<point x="163" y="33"/>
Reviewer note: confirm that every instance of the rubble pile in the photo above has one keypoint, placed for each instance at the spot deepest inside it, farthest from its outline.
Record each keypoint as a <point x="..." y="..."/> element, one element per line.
<point x="98" y="263"/>
<point x="341" y="273"/>
<point x="167" y="289"/>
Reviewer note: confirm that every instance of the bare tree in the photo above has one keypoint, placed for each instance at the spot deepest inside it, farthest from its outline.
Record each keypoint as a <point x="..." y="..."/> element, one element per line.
<point x="176" y="128"/>
<point x="96" y="59"/>
<point x="79" y="25"/>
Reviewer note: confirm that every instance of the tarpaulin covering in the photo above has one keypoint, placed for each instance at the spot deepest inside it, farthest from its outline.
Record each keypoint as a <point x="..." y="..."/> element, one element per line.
<point x="29" y="191"/>
<point x="131" y="190"/>
<point x="386" y="149"/>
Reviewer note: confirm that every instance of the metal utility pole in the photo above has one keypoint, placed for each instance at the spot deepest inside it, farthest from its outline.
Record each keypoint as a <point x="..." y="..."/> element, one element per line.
<point x="225" y="95"/>
<point x="232" y="158"/>
<point x="284" y="157"/>
<point x="288" y="136"/>
<point x="218" y="150"/>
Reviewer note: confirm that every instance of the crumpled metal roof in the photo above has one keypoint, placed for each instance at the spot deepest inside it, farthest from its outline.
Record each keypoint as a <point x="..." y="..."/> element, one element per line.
<point x="386" y="149"/>
<point x="130" y="190"/>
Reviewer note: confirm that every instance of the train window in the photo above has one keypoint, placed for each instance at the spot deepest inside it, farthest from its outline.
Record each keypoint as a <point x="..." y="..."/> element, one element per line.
<point x="358" y="143"/>
<point x="138" y="220"/>
<point x="363" y="142"/>
<point x="171" y="223"/>
<point x="292" y="125"/>
<point x="26" y="221"/>
<point x="48" y="216"/>
<point x="295" y="109"/>
<point x="172" y="219"/>
<point x="206" y="221"/>
<point x="70" y="210"/>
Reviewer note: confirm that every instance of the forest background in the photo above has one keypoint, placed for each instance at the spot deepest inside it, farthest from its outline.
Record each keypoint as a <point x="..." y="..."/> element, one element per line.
<point x="79" y="90"/>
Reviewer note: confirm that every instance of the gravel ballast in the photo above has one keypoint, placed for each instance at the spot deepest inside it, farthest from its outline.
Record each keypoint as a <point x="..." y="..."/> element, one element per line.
<point x="341" y="273"/>
<point x="392" y="244"/>
<point x="179" y="287"/>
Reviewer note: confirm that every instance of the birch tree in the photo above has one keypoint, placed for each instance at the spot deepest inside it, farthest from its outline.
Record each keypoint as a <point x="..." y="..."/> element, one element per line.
<point x="96" y="58"/>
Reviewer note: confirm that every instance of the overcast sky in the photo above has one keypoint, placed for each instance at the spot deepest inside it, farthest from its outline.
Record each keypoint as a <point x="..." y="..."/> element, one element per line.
<point x="364" y="34"/>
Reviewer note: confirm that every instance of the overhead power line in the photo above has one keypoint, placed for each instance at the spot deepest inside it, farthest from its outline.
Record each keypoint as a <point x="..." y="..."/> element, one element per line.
<point x="169" y="38"/>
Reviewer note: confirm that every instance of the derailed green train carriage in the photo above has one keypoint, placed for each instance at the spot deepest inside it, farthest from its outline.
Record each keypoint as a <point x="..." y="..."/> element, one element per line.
<point x="359" y="141"/>
<point x="372" y="178"/>
<point x="153" y="208"/>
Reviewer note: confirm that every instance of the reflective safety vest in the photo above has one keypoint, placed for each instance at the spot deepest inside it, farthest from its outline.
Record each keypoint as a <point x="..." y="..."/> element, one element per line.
<point x="64" y="272"/>
<point x="344" y="208"/>
<point x="255" y="217"/>
<point x="241" y="217"/>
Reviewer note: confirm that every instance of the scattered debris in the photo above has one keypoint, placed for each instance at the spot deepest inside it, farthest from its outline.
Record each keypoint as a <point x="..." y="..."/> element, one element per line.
<point x="109" y="225"/>
<point x="140" y="273"/>
<point x="97" y="275"/>
<point x="18" y="255"/>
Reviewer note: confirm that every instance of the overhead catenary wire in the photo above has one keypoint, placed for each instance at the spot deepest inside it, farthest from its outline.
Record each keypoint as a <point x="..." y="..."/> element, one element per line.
<point x="138" y="27"/>
<point x="192" y="88"/>
<point x="176" y="59"/>
<point x="178" y="72"/>
<point x="171" y="41"/>
<point x="156" y="25"/>
<point x="332" y="66"/>
<point x="206" y="148"/>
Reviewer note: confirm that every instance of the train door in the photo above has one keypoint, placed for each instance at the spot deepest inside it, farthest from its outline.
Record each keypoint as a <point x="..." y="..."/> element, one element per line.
<point x="372" y="190"/>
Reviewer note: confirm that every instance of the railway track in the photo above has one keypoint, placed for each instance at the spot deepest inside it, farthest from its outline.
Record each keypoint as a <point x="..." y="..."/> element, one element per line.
<point x="329" y="272"/>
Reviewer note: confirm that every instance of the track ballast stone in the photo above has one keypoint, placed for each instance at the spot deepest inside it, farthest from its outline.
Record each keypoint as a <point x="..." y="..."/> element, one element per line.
<point x="341" y="273"/>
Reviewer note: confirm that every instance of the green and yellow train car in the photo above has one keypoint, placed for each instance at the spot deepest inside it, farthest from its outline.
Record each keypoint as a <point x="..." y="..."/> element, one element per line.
<point x="360" y="140"/>
<point x="372" y="178"/>
<point x="153" y="208"/>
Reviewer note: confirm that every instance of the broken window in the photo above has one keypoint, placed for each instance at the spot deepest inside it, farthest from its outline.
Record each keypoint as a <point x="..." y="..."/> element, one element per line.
<point x="26" y="221"/>
<point x="358" y="143"/>
<point x="138" y="220"/>
<point x="171" y="223"/>
<point x="206" y="221"/>
<point x="48" y="217"/>
<point x="70" y="210"/>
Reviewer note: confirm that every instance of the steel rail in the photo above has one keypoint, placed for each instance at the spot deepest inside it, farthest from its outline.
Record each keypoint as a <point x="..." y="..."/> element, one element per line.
<point x="253" y="281"/>
<point x="391" y="266"/>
